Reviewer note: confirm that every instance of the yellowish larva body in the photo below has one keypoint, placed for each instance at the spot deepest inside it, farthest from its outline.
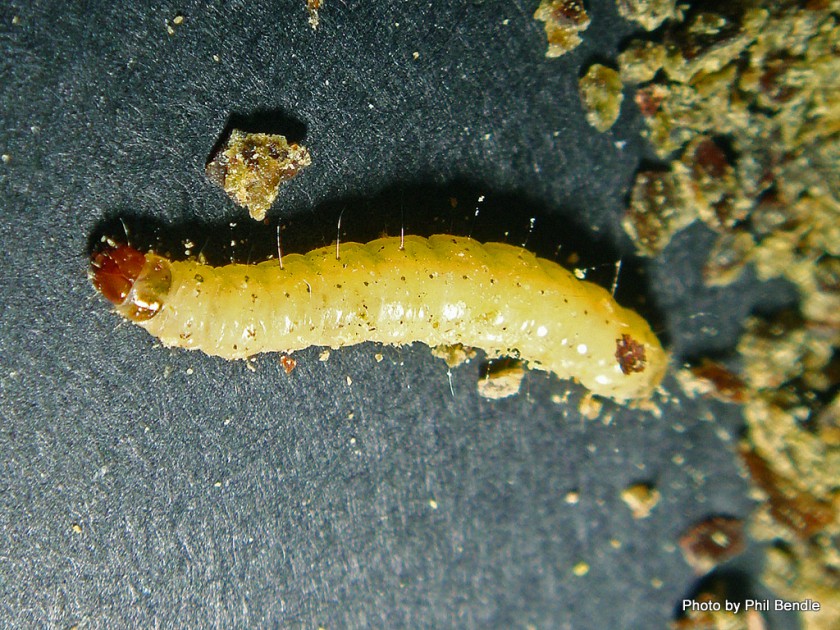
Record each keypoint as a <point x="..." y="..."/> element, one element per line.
<point x="439" y="291"/>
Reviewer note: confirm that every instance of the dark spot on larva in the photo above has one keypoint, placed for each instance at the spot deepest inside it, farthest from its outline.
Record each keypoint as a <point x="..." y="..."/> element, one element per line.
<point x="185" y="335"/>
<point x="402" y="278"/>
<point x="253" y="298"/>
<point x="465" y="277"/>
<point x="542" y="292"/>
<point x="344" y="266"/>
<point x="287" y="294"/>
<point x="308" y="289"/>
<point x="566" y="300"/>
<point x="518" y="285"/>
<point x="367" y="284"/>
<point x="492" y="281"/>
<point x="235" y="347"/>
<point x="431" y="276"/>
<point x="630" y="354"/>
<point x="199" y="277"/>
<point x="585" y="312"/>
<point x="246" y="279"/>
<point x="337" y="286"/>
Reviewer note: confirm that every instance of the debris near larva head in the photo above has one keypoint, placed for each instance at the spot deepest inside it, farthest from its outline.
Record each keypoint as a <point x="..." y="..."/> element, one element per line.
<point x="250" y="167"/>
<point x="564" y="21"/>
<point x="501" y="378"/>
<point x="711" y="542"/>
<point x="600" y="95"/>
<point x="590" y="407"/>
<point x="641" y="498"/>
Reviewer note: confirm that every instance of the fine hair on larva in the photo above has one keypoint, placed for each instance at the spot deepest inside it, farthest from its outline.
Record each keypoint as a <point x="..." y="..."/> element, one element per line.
<point x="442" y="290"/>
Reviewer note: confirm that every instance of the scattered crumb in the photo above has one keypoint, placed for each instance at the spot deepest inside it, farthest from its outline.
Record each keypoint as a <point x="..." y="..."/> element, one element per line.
<point x="250" y="167"/>
<point x="615" y="543"/>
<point x="349" y="381"/>
<point x="288" y="363"/>
<point x="178" y="20"/>
<point x="325" y="355"/>
<point x="572" y="497"/>
<point x="564" y="21"/>
<point x="189" y="371"/>
<point x="711" y="542"/>
<point x="580" y="569"/>
<point x="656" y="583"/>
<point x="641" y="498"/>
<point x="77" y="529"/>
<point x="6" y="158"/>
<point x="501" y="378"/>
<point x="590" y="406"/>
<point x="601" y="97"/>
<point x="378" y="356"/>
<point x="433" y="504"/>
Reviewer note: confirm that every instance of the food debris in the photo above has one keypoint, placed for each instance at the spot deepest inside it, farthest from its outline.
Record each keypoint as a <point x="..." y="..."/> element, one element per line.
<point x="600" y="95"/>
<point x="324" y="355"/>
<point x="312" y="7"/>
<point x="580" y="569"/>
<point x="657" y="211"/>
<point x="641" y="498"/>
<point x="711" y="542"/>
<point x="454" y="355"/>
<point x="501" y="378"/>
<point x="714" y="380"/>
<point x="650" y="14"/>
<point x="250" y="167"/>
<point x="564" y="21"/>
<point x="640" y="61"/>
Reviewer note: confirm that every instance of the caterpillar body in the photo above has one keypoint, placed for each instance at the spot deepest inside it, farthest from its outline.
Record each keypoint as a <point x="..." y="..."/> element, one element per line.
<point x="442" y="290"/>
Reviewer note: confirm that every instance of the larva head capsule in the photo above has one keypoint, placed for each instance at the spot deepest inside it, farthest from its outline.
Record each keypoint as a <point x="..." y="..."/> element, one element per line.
<point x="136" y="283"/>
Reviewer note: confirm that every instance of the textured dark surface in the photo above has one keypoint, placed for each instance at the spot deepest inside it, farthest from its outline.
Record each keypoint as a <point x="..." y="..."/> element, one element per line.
<point x="150" y="486"/>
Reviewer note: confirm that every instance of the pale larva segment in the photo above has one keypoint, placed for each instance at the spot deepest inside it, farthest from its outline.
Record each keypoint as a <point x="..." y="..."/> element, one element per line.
<point x="438" y="291"/>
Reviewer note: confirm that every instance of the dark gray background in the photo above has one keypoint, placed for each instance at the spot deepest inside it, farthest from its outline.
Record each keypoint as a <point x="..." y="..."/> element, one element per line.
<point x="208" y="494"/>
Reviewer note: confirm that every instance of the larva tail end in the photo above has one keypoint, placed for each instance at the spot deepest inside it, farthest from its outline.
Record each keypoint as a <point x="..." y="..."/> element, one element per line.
<point x="114" y="270"/>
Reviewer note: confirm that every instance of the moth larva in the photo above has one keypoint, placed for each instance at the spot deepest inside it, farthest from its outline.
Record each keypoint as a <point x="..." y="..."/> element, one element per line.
<point x="440" y="290"/>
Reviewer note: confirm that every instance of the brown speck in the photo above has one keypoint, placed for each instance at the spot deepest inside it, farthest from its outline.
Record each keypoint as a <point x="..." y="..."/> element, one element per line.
<point x="630" y="354"/>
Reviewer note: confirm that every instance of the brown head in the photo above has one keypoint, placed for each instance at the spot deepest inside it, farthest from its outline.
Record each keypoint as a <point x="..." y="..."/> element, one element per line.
<point x="136" y="283"/>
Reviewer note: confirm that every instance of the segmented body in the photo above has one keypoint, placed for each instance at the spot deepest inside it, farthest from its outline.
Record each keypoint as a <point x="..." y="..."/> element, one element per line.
<point x="439" y="291"/>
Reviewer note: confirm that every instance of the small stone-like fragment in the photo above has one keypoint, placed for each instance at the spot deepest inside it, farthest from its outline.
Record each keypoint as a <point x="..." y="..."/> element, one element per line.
<point x="564" y="21"/>
<point x="600" y="95"/>
<point x="650" y="14"/>
<point x="250" y="167"/>
<point x="641" y="498"/>
<point x="640" y="61"/>
<point x="501" y="378"/>
<point x="711" y="542"/>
